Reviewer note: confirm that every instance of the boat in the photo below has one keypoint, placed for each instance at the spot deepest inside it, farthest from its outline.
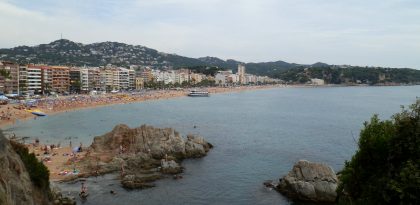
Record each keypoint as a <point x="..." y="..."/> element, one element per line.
<point x="196" y="93"/>
<point x="37" y="113"/>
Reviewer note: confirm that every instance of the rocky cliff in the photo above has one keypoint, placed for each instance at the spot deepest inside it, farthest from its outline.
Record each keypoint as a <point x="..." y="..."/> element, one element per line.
<point x="16" y="187"/>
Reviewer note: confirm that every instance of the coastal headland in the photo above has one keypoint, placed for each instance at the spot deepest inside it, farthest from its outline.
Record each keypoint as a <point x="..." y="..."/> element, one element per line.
<point x="141" y="155"/>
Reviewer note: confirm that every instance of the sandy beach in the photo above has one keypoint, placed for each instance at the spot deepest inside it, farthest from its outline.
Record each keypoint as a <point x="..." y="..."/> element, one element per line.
<point x="12" y="113"/>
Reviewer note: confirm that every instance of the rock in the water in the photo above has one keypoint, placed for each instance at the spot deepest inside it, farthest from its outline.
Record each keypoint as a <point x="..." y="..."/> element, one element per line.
<point x="310" y="181"/>
<point x="270" y="184"/>
<point x="170" y="167"/>
<point x="139" y="182"/>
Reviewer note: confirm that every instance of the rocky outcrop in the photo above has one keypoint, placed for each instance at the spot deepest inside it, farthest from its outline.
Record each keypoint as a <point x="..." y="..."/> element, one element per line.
<point x="59" y="199"/>
<point x="16" y="187"/>
<point x="153" y="142"/>
<point x="144" y="154"/>
<point x="139" y="181"/>
<point x="309" y="181"/>
<point x="170" y="167"/>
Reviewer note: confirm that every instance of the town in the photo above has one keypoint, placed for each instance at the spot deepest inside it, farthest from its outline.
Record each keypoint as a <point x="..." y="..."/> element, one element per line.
<point x="36" y="80"/>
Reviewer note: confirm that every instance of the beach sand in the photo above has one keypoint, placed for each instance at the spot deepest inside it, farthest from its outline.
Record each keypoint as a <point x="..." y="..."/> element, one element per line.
<point x="58" y="160"/>
<point x="12" y="113"/>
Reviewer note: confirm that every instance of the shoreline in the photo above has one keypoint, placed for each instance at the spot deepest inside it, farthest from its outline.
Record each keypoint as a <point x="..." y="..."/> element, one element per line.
<point x="65" y="103"/>
<point x="9" y="115"/>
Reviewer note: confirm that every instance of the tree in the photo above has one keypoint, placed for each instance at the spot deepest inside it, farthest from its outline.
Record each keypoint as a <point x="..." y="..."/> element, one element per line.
<point x="76" y="86"/>
<point x="5" y="74"/>
<point x="386" y="167"/>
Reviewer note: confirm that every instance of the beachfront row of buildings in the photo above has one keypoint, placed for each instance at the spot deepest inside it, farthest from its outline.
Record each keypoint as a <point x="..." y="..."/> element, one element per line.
<point x="241" y="77"/>
<point x="43" y="79"/>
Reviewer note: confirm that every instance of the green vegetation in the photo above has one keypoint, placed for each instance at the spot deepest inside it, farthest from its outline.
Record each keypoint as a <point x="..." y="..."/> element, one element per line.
<point x="5" y="73"/>
<point x="206" y="70"/>
<point x="351" y="75"/>
<point x="386" y="168"/>
<point x="38" y="172"/>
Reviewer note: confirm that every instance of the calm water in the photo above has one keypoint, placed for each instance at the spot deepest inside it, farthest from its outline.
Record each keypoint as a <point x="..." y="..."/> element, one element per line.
<point x="258" y="135"/>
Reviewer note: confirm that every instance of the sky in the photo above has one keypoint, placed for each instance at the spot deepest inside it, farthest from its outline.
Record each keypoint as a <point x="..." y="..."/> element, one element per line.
<point x="356" y="32"/>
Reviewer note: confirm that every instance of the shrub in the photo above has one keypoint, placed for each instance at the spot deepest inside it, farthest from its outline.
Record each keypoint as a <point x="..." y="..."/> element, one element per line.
<point x="386" y="167"/>
<point x="38" y="172"/>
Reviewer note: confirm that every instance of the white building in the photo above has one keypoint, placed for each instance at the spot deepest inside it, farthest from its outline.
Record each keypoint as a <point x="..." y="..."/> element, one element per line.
<point x="316" y="81"/>
<point x="221" y="77"/>
<point x="233" y="78"/>
<point x="33" y="80"/>
<point x="84" y="79"/>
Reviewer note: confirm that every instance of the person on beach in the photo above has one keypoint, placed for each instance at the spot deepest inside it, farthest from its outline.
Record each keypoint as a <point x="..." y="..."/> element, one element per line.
<point x="83" y="190"/>
<point x="122" y="170"/>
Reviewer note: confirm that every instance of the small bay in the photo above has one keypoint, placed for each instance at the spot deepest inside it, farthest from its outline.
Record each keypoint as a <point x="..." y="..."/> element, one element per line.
<point x="257" y="135"/>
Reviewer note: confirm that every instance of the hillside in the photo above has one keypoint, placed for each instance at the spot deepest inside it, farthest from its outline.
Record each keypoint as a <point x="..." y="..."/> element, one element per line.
<point x="66" y="52"/>
<point x="352" y="75"/>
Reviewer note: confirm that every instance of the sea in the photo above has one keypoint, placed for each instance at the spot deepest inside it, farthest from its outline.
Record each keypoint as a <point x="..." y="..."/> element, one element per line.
<point x="257" y="135"/>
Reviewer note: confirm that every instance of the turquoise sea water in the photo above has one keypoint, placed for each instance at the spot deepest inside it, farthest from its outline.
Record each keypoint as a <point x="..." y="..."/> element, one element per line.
<point x="257" y="135"/>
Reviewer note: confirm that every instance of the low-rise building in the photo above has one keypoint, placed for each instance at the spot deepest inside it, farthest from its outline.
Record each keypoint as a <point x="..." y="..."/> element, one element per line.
<point x="316" y="81"/>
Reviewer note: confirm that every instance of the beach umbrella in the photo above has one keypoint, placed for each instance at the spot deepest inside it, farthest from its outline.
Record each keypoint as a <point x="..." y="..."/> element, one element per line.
<point x="75" y="149"/>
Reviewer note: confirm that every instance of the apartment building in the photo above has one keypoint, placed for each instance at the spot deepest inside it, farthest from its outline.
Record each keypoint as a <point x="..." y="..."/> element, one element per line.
<point x="9" y="79"/>
<point x="46" y="79"/>
<point x="75" y="80"/>
<point x="34" y="79"/>
<point x="106" y="79"/>
<point x="131" y="79"/>
<point x="123" y="77"/>
<point x="23" y="79"/>
<point x="241" y="73"/>
<point x="60" y="79"/>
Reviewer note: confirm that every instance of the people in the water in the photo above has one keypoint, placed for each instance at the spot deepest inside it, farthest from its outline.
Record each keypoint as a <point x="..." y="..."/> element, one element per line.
<point x="83" y="190"/>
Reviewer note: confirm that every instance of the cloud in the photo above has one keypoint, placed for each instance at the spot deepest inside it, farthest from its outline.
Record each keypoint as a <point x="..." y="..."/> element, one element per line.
<point x="384" y="33"/>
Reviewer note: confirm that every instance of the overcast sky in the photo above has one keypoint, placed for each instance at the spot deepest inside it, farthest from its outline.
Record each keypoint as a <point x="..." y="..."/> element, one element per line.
<point x="356" y="32"/>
